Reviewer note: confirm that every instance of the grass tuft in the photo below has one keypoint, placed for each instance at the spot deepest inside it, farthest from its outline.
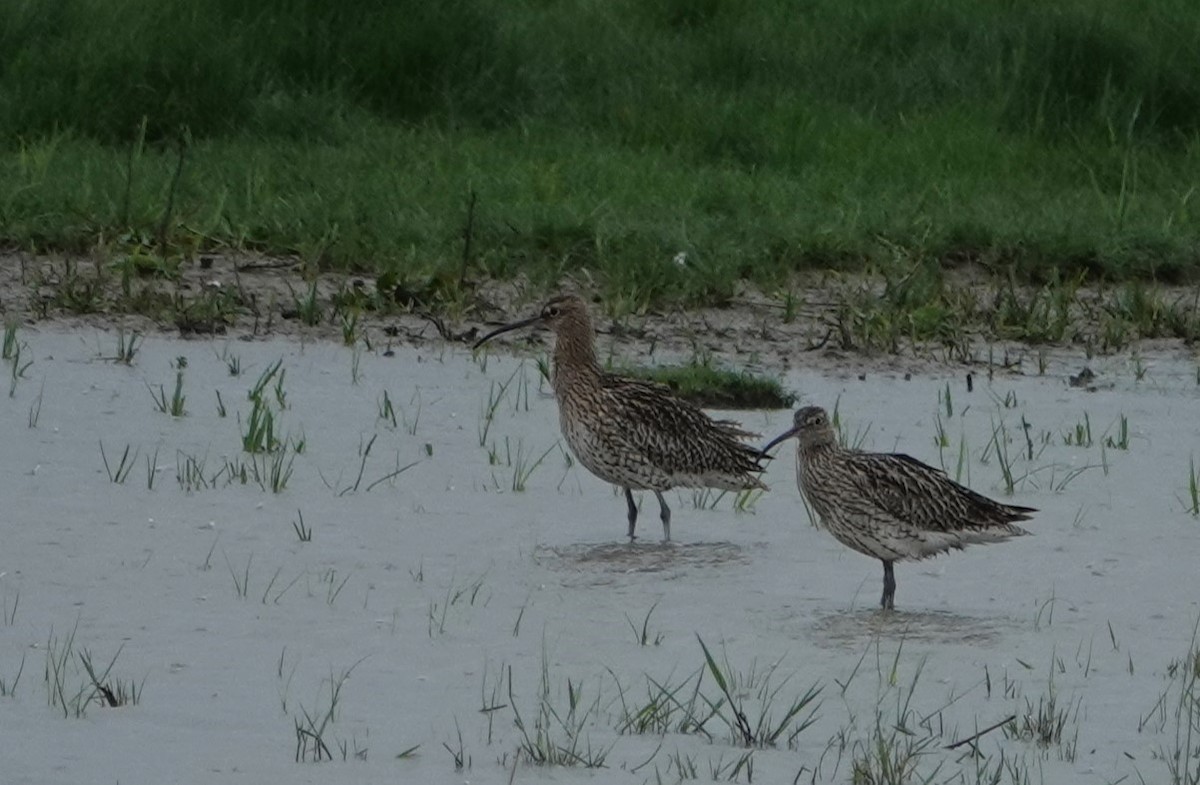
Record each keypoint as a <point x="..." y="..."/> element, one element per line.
<point x="174" y="405"/>
<point x="64" y="664"/>
<point x="704" y="384"/>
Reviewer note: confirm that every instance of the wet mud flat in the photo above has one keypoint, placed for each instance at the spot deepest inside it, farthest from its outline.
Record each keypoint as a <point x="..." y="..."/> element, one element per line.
<point x="405" y="573"/>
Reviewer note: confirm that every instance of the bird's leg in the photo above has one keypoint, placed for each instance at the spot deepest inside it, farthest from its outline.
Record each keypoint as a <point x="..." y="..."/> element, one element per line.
<point x="889" y="587"/>
<point x="632" y="514"/>
<point x="664" y="512"/>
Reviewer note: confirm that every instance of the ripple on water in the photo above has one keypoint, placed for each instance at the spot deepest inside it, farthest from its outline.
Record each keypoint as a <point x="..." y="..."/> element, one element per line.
<point x="854" y="627"/>
<point x="600" y="563"/>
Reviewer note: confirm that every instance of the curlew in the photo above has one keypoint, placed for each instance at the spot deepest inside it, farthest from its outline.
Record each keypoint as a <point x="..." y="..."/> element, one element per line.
<point x="635" y="434"/>
<point x="890" y="506"/>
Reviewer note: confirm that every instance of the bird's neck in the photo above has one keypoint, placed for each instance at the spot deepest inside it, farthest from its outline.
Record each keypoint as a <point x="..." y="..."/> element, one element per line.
<point x="819" y="445"/>
<point x="575" y="355"/>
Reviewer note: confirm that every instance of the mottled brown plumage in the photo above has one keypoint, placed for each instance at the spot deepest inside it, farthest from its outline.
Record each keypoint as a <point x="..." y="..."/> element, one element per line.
<point x="887" y="505"/>
<point x="632" y="433"/>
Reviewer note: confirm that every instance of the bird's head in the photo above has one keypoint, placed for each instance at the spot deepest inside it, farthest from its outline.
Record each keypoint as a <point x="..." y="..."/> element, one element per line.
<point x="810" y="424"/>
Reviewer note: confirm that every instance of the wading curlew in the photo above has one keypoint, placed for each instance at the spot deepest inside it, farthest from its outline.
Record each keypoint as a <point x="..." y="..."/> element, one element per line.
<point x="635" y="434"/>
<point x="890" y="506"/>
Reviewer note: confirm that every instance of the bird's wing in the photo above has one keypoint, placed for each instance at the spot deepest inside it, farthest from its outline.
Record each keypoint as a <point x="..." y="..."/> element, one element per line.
<point x="672" y="433"/>
<point x="923" y="496"/>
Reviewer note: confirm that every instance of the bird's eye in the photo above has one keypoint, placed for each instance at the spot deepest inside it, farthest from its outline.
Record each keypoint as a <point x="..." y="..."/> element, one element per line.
<point x="552" y="311"/>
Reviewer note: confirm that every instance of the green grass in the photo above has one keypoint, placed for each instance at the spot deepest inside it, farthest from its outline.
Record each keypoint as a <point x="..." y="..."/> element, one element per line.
<point x="760" y="140"/>
<point x="704" y="384"/>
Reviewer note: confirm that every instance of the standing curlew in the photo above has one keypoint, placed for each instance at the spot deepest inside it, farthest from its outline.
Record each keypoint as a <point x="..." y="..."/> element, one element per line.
<point x="635" y="434"/>
<point x="887" y="505"/>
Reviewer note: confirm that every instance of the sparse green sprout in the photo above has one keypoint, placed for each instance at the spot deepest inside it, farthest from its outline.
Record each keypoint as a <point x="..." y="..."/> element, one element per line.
<point x="642" y="635"/>
<point x="355" y="360"/>
<point x="767" y="730"/>
<point x="189" y="472"/>
<point x="1120" y="440"/>
<point x="35" y="408"/>
<point x="350" y="327"/>
<point x="63" y="661"/>
<point x="791" y="304"/>
<point x="280" y="469"/>
<point x="410" y="425"/>
<point x="333" y="587"/>
<point x="1045" y="724"/>
<point x="707" y="498"/>
<point x="9" y="689"/>
<point x="260" y="434"/>
<point x="459" y="755"/>
<point x="496" y="393"/>
<point x="364" y="452"/>
<point x="387" y="412"/>
<point x="174" y="405"/>
<point x="745" y="500"/>
<point x="241" y="581"/>
<point x="119" y="473"/>
<point x="999" y="447"/>
<point x="1026" y="429"/>
<point x="151" y="469"/>
<point x="1081" y="435"/>
<point x="17" y="366"/>
<point x="111" y="693"/>
<point x="313" y="737"/>
<point x="280" y="393"/>
<point x="940" y="439"/>
<point x="1009" y="401"/>
<point x="557" y="734"/>
<point x="10" y="341"/>
<point x="303" y="533"/>
<point x="264" y="379"/>
<point x="522" y="467"/>
<point x="220" y="405"/>
<point x="9" y="616"/>
<point x="127" y="346"/>
<point x="308" y="308"/>
<point x="851" y="440"/>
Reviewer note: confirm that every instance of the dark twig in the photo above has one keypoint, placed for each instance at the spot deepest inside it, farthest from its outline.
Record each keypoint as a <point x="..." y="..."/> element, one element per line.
<point x="982" y="733"/>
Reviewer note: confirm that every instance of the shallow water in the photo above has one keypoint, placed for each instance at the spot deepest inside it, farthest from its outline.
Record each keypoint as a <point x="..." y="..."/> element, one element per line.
<point x="437" y="586"/>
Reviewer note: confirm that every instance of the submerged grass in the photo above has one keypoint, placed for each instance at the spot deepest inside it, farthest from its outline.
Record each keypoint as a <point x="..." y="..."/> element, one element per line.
<point x="668" y="162"/>
<point x="65" y="666"/>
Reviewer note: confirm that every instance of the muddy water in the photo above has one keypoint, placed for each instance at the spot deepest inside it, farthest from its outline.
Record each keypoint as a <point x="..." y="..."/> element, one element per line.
<point x="444" y="602"/>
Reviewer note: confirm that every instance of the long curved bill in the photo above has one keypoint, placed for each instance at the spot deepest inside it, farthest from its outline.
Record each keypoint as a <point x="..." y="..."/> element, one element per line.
<point x="789" y="433"/>
<point x="506" y="328"/>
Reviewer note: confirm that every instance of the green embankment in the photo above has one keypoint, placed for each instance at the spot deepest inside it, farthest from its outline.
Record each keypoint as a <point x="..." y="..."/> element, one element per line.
<point x="757" y="139"/>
